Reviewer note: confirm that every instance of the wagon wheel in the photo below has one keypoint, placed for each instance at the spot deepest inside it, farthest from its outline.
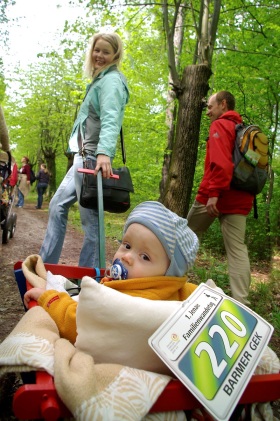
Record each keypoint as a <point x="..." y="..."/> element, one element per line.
<point x="13" y="225"/>
<point x="6" y="234"/>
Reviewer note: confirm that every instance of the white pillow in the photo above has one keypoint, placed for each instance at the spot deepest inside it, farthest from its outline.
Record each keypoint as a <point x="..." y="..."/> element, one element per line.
<point x="114" y="327"/>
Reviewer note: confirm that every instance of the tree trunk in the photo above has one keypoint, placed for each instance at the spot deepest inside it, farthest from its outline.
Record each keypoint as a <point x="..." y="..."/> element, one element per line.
<point x="168" y="151"/>
<point x="70" y="160"/>
<point x="180" y="178"/>
<point x="268" y="238"/>
<point x="50" y="161"/>
<point x="171" y="111"/>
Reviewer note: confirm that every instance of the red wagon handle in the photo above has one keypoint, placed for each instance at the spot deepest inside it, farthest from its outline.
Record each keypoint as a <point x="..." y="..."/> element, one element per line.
<point x="88" y="171"/>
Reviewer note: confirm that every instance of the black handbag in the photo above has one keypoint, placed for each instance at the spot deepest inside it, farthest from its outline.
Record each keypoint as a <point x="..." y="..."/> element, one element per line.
<point x="116" y="191"/>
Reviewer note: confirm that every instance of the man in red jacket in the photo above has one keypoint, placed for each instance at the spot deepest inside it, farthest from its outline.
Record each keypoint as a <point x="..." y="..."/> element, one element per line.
<point x="217" y="199"/>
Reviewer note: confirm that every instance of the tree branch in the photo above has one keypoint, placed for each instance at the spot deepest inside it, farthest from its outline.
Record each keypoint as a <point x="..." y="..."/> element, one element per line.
<point x="214" y="29"/>
<point x="170" y="44"/>
<point x="247" y="52"/>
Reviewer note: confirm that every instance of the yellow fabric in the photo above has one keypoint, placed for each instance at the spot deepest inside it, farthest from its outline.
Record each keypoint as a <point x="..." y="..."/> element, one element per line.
<point x="62" y="308"/>
<point x="261" y="146"/>
<point x="155" y="288"/>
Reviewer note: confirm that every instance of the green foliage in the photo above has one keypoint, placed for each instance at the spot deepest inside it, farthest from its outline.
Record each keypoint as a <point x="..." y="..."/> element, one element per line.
<point x="4" y="36"/>
<point x="41" y="126"/>
<point x="2" y="82"/>
<point x="265" y="298"/>
<point x="41" y="111"/>
<point x="210" y="265"/>
<point x="264" y="295"/>
<point x="3" y="19"/>
<point x="144" y="125"/>
<point x="74" y="216"/>
<point x="246" y="63"/>
<point x="113" y="223"/>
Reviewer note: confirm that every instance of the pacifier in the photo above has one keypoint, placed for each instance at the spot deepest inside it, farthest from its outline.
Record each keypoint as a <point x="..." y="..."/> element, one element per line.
<point x="117" y="270"/>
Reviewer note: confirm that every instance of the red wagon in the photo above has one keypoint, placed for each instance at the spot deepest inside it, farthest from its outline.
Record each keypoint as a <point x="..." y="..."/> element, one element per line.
<point x="39" y="399"/>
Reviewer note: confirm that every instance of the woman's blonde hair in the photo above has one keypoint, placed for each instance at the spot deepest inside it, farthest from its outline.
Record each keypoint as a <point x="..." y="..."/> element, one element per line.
<point x="116" y="43"/>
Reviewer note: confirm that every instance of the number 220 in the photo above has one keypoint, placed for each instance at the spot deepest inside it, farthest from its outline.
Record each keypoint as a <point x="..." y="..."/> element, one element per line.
<point x="230" y="349"/>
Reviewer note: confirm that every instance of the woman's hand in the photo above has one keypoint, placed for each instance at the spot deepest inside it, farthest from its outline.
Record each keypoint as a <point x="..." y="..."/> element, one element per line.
<point x="103" y="162"/>
<point x="32" y="294"/>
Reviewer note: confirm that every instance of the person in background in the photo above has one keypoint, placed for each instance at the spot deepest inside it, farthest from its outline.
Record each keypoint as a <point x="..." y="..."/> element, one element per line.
<point x="14" y="174"/>
<point x="24" y="181"/>
<point x="43" y="178"/>
<point x="94" y="137"/>
<point x="217" y="199"/>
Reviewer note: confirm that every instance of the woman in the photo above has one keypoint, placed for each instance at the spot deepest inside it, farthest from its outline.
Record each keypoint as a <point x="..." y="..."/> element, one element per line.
<point x="94" y="135"/>
<point x="43" y="178"/>
<point x="24" y="181"/>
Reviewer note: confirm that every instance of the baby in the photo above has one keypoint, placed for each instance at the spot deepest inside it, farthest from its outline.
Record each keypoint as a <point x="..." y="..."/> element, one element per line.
<point x="157" y="250"/>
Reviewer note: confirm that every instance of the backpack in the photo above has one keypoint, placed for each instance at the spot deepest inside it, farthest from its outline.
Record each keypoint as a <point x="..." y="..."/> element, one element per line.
<point x="32" y="176"/>
<point x="250" y="158"/>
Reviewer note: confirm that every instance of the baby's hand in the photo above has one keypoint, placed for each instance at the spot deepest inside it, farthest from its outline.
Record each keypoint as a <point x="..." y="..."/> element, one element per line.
<point x="32" y="294"/>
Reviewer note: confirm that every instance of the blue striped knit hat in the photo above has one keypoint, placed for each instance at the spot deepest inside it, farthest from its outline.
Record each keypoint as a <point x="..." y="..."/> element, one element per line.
<point x="179" y="241"/>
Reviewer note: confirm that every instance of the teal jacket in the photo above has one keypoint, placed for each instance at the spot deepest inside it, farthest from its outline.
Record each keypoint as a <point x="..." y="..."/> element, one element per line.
<point x="101" y="114"/>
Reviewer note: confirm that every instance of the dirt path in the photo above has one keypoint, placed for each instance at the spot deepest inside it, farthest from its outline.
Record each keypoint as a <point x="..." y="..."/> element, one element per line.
<point x="30" y="230"/>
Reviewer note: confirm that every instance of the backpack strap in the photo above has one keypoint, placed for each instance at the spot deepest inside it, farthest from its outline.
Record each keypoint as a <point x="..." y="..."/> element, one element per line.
<point x="255" y="208"/>
<point x="229" y="119"/>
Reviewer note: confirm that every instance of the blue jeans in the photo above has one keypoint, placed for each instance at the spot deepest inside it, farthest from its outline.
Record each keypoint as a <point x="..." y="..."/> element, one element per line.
<point x="20" y="198"/>
<point x="41" y="190"/>
<point x="66" y="195"/>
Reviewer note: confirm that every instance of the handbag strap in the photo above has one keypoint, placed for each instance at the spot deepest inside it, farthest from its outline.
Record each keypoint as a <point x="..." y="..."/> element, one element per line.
<point x="80" y="141"/>
<point x="123" y="147"/>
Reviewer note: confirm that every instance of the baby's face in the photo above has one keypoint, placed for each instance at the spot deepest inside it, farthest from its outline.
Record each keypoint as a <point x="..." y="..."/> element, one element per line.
<point x="142" y="253"/>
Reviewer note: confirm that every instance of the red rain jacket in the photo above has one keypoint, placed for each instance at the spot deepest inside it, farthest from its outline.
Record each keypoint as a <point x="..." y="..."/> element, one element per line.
<point x="218" y="168"/>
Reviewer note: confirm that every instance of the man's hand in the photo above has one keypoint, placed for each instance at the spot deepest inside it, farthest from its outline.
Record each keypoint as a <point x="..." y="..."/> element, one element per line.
<point x="103" y="162"/>
<point x="212" y="208"/>
<point x="32" y="294"/>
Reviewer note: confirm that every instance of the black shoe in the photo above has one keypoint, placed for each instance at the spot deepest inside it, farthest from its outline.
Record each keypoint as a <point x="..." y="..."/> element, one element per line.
<point x="37" y="207"/>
